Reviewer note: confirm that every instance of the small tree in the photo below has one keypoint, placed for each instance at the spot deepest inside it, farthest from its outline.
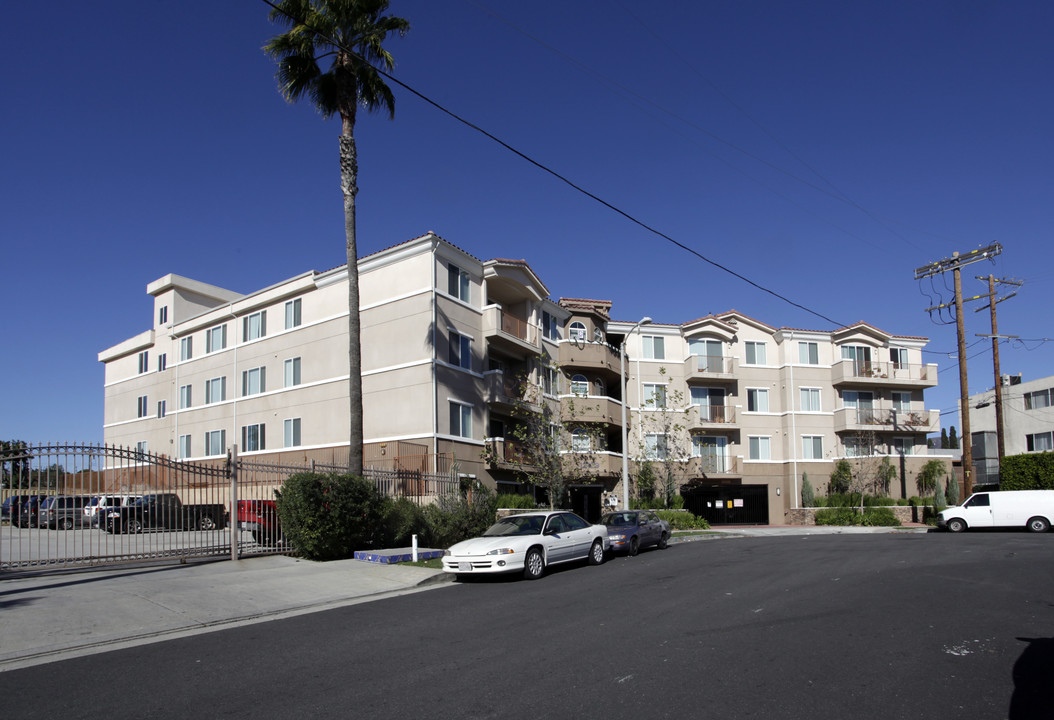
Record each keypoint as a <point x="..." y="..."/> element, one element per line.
<point x="944" y="439"/>
<point x="929" y="476"/>
<point x="808" y="497"/>
<point x="938" y="497"/>
<point x="884" y="476"/>
<point x="645" y="481"/>
<point x="953" y="439"/>
<point x="673" y="445"/>
<point x="841" y="478"/>
<point x="953" y="491"/>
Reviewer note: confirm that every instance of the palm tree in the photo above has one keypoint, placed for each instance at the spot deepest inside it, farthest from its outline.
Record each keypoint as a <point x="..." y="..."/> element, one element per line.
<point x="350" y="33"/>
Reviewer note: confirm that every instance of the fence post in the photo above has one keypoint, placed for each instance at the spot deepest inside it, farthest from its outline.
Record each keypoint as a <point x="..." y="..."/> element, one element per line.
<point x="232" y="470"/>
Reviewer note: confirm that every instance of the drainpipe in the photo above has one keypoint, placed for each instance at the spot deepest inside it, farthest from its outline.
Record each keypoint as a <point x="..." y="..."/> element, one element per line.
<point x="794" y="430"/>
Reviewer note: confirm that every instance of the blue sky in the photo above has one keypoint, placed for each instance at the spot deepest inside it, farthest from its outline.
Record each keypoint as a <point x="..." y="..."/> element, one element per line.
<point x="822" y="149"/>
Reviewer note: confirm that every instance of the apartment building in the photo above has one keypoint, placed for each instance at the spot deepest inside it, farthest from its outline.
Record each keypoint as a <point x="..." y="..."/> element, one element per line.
<point x="454" y="348"/>
<point x="1028" y="423"/>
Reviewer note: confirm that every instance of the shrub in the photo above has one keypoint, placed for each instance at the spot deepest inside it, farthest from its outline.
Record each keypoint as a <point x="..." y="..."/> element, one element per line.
<point x="677" y="502"/>
<point x="402" y="520"/>
<point x="929" y="476"/>
<point x="953" y="491"/>
<point x="808" y="496"/>
<point x="456" y="517"/>
<point x="841" y="478"/>
<point x="328" y="516"/>
<point x="1034" y="471"/>
<point x="517" y="501"/>
<point x="837" y="516"/>
<point x="683" y="520"/>
<point x="880" y="517"/>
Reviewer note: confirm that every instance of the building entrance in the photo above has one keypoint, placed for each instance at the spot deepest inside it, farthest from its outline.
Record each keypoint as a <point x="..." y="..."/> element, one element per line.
<point x="729" y="504"/>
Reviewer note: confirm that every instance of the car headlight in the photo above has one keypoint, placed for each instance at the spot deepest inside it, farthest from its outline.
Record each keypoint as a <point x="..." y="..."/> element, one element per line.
<point x="502" y="551"/>
<point x="617" y="536"/>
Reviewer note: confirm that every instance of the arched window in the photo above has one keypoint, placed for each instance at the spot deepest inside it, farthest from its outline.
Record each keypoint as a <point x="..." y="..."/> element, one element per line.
<point x="579" y="385"/>
<point x="578" y="331"/>
<point x="598" y="388"/>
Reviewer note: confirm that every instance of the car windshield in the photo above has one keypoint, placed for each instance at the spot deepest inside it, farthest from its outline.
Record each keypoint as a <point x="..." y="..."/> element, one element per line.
<point x="619" y="519"/>
<point x="516" y="525"/>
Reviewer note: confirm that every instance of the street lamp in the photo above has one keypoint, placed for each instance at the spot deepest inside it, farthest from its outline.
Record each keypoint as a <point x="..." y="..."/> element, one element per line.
<point x="625" y="430"/>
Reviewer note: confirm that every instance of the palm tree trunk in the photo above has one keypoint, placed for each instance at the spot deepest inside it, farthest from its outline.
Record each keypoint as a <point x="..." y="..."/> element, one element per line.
<point x="349" y="169"/>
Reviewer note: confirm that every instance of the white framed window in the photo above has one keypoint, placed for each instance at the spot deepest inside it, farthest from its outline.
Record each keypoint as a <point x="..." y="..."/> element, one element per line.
<point x="550" y="326"/>
<point x="216" y="338"/>
<point x="577" y="331"/>
<point x="579" y="385"/>
<point x="460" y="350"/>
<point x="812" y="447"/>
<point x="161" y="408"/>
<point x="756" y="353"/>
<point x="1038" y="400"/>
<point x="808" y="353"/>
<point x="901" y="402"/>
<point x="140" y="449"/>
<point x="215" y="442"/>
<point x="162" y="362"/>
<point x="654" y="395"/>
<point x="186" y="348"/>
<point x="254" y="381"/>
<point x="757" y="400"/>
<point x="292" y="372"/>
<point x="654" y="347"/>
<point x="162" y="315"/>
<point x="144" y="362"/>
<point x="655" y="446"/>
<point x="215" y="390"/>
<point x="184" y="446"/>
<point x="292" y="432"/>
<point x="253" y="437"/>
<point x="580" y="441"/>
<point x="292" y="314"/>
<point x="857" y="447"/>
<point x="810" y="399"/>
<point x="141" y="405"/>
<point x="254" y="326"/>
<point x="899" y="357"/>
<point x="185" y="397"/>
<point x="460" y="419"/>
<point x="1039" y="442"/>
<point x="713" y="449"/>
<point x="902" y="446"/>
<point x="458" y="283"/>
<point x="858" y="399"/>
<point x="759" y="447"/>
<point x="550" y="380"/>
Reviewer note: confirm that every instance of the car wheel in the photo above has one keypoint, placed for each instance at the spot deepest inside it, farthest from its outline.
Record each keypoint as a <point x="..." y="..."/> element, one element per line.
<point x="634" y="546"/>
<point x="1038" y="524"/>
<point x="596" y="553"/>
<point x="664" y="541"/>
<point x="956" y="525"/>
<point x="206" y="523"/>
<point x="66" y="524"/>
<point x="134" y="526"/>
<point x="533" y="564"/>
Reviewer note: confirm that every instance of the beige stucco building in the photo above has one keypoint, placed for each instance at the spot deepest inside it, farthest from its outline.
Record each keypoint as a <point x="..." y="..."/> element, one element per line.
<point x="453" y="345"/>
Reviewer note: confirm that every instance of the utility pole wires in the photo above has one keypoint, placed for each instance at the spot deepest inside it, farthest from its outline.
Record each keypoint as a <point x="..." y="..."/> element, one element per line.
<point x="995" y="358"/>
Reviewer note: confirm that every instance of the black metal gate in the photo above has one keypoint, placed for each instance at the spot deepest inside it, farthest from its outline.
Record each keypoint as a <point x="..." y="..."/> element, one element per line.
<point x="729" y="504"/>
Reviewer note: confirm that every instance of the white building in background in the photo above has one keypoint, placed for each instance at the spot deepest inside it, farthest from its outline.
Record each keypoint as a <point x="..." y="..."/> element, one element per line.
<point x="1028" y="422"/>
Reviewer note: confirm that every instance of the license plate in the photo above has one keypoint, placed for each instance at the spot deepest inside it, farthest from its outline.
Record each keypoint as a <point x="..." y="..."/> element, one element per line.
<point x="464" y="567"/>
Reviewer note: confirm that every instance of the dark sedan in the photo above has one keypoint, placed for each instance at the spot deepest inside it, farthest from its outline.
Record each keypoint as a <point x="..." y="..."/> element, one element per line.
<point x="631" y="530"/>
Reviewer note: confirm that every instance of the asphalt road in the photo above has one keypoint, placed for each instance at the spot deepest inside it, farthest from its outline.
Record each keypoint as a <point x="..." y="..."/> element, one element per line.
<point x="835" y="626"/>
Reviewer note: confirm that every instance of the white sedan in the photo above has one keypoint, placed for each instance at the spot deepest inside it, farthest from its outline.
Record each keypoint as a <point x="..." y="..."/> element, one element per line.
<point x="529" y="543"/>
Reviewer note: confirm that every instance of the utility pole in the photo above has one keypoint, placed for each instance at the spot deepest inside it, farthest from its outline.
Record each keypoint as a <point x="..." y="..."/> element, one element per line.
<point x="955" y="264"/>
<point x="1000" y="443"/>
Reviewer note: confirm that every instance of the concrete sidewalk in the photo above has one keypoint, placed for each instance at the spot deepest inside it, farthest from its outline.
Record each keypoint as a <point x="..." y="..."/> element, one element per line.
<point x="56" y="615"/>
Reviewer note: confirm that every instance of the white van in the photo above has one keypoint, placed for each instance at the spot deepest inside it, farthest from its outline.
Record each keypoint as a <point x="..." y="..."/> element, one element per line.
<point x="96" y="509"/>
<point x="1032" y="509"/>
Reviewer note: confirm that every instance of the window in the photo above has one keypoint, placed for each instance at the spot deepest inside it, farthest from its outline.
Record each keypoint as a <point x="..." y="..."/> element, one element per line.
<point x="161" y="409"/>
<point x="550" y="326"/>
<point x="458" y="283"/>
<point x="709" y="352"/>
<point x="812" y="447"/>
<point x="292" y="432"/>
<point x="292" y="372"/>
<point x="808" y="353"/>
<point x="216" y="442"/>
<point x="184" y="446"/>
<point x="460" y="350"/>
<point x="599" y="389"/>
<point x="216" y="390"/>
<point x="578" y="332"/>
<point x="757" y="400"/>
<point x="216" y="338"/>
<point x="713" y="451"/>
<point x="550" y="381"/>
<point x="186" y="348"/>
<point x="162" y="315"/>
<point x="861" y="357"/>
<point x="655" y="446"/>
<point x="253" y="381"/>
<point x="901" y="402"/>
<point x="184" y="397"/>
<point x="902" y="445"/>
<point x="654" y="347"/>
<point x="810" y="399"/>
<point x="580" y="441"/>
<point x="899" y="357"/>
<point x="755" y="353"/>
<point x="858" y="400"/>
<point x="144" y="362"/>
<point x="1039" y="442"/>
<point x="292" y="314"/>
<point x="857" y="447"/>
<point x="162" y="362"/>
<point x="1038" y="400"/>
<point x="254" y="326"/>
<point x="140" y="449"/>
<point x="253" y="437"/>
<point x="579" y="385"/>
<point x="759" y="448"/>
<point x="141" y="404"/>
<point x="654" y="395"/>
<point x="460" y="419"/>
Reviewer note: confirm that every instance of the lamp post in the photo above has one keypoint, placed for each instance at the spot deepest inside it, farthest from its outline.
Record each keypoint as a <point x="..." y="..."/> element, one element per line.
<point x="625" y="429"/>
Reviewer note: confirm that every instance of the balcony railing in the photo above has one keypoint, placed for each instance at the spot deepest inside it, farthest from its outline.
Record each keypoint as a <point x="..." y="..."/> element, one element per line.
<point x="704" y="415"/>
<point x="709" y="366"/>
<point x="888" y="373"/>
<point x="886" y="419"/>
<point x="707" y="465"/>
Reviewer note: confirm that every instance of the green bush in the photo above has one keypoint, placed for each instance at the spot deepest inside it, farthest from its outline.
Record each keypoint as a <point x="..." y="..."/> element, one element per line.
<point x="880" y="516"/>
<point x="653" y="503"/>
<point x="327" y="516"/>
<point x="455" y="517"/>
<point x="1034" y="471"/>
<point x="402" y="520"/>
<point x="683" y="520"/>
<point x="518" y="501"/>
<point x="808" y="495"/>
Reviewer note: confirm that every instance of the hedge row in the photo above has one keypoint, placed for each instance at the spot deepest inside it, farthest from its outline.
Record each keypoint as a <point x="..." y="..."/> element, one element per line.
<point x="1034" y="471"/>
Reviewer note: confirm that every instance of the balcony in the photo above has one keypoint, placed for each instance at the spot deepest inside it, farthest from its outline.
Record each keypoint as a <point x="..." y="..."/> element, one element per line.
<point x="711" y="417"/>
<point x="590" y="409"/>
<point x="511" y="334"/>
<point x="712" y="466"/>
<point x="509" y="393"/>
<point x="591" y="355"/>
<point x="508" y="455"/>
<point x="886" y="420"/>
<point x="710" y="368"/>
<point x="888" y="374"/>
<point x="595" y="464"/>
